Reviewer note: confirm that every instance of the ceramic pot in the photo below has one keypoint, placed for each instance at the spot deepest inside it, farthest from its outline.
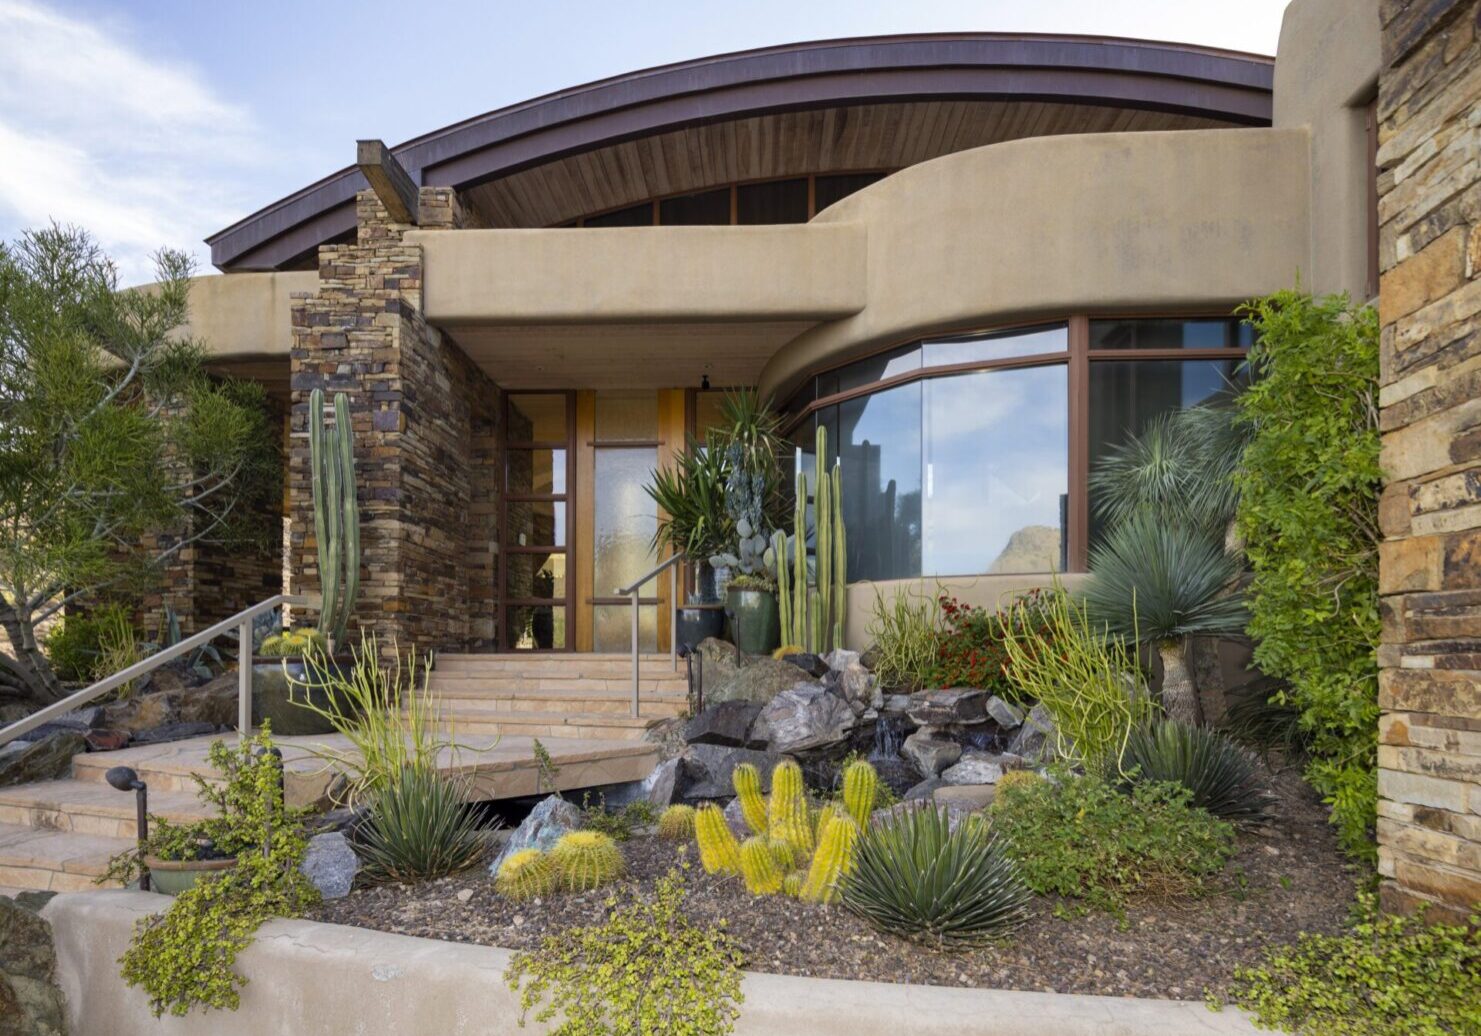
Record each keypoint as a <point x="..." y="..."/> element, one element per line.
<point x="754" y="621"/>
<point x="173" y="877"/>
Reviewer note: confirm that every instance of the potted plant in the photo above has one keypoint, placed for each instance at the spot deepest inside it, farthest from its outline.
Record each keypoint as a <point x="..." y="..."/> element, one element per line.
<point x="693" y="521"/>
<point x="750" y="600"/>
<point x="289" y="667"/>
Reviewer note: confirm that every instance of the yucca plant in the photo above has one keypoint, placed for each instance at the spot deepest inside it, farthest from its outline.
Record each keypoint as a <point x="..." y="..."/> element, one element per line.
<point x="690" y="495"/>
<point x="420" y="827"/>
<point x="916" y="878"/>
<point x="1160" y="582"/>
<point x="1223" y="777"/>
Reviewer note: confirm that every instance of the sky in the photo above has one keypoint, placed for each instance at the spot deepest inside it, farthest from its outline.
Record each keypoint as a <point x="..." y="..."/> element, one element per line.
<point x="158" y="123"/>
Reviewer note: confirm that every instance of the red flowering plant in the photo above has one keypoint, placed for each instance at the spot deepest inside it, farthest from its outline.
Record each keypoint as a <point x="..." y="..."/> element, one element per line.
<point x="971" y="651"/>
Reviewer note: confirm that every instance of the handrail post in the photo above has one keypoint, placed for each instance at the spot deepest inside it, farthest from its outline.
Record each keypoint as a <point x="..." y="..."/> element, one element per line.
<point x="244" y="680"/>
<point x="674" y="617"/>
<point x="635" y="652"/>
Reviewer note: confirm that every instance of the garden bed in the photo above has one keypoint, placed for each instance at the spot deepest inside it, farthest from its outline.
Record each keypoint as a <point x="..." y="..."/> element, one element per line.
<point x="1284" y="879"/>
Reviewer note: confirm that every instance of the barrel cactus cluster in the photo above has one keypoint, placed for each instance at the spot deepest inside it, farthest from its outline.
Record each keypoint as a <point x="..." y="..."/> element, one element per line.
<point x="578" y="862"/>
<point x="813" y="598"/>
<point x="336" y="513"/>
<point x="795" y="848"/>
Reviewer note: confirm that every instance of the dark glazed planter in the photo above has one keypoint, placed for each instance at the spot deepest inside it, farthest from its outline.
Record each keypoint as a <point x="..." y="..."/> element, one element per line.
<point x="699" y="622"/>
<point x="271" y="691"/>
<point x="754" y="622"/>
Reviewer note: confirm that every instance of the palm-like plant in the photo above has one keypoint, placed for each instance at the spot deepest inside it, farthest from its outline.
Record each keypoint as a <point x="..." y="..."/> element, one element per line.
<point x="690" y="495"/>
<point x="1160" y="581"/>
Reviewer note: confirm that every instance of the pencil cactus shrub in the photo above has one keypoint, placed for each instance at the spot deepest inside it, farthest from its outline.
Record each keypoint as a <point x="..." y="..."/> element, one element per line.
<point x="759" y="866"/>
<point x="336" y="512"/>
<point x="787" y="816"/>
<point x="719" y="852"/>
<point x="585" y="860"/>
<point x="833" y="860"/>
<point x="747" y="782"/>
<point x="676" y="823"/>
<point x="860" y="789"/>
<point x="527" y="874"/>
<point x="813" y="599"/>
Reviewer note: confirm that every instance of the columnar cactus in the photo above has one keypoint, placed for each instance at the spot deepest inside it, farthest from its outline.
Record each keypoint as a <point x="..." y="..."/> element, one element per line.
<point x="792" y="884"/>
<point x="719" y="852"/>
<point x="586" y="860"/>
<point x="827" y="812"/>
<point x="676" y="824"/>
<point x="527" y="874"/>
<point x="814" y="615"/>
<point x="860" y="786"/>
<point x="336" y="513"/>
<point x="758" y="864"/>
<point x="747" y="781"/>
<point x="787" y="813"/>
<point x="834" y="859"/>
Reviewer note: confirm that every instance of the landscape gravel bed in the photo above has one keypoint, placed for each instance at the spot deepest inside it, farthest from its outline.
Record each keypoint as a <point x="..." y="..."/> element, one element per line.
<point x="1285" y="878"/>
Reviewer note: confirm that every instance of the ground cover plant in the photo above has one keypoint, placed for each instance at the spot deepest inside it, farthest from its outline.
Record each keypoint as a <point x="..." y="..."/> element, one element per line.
<point x="1308" y="512"/>
<point x="1082" y="838"/>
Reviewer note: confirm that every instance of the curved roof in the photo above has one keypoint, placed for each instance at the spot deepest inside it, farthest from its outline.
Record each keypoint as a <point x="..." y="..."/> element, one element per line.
<point x="1224" y="86"/>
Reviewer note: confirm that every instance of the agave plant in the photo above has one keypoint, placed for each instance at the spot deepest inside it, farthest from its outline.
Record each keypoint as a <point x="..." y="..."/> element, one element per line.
<point x="1223" y="777"/>
<point x="1160" y="582"/>
<point x="420" y="827"/>
<point x="916" y="878"/>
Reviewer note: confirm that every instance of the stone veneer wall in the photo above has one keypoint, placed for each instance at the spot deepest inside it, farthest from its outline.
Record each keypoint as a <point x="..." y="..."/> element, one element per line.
<point x="1429" y="757"/>
<point x="426" y="437"/>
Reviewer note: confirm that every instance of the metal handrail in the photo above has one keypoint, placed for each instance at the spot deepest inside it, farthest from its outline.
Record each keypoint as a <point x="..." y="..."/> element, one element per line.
<point x="242" y="620"/>
<point x="631" y="592"/>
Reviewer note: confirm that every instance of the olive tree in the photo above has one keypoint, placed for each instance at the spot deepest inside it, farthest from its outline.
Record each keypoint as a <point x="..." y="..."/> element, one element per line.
<point x="117" y="450"/>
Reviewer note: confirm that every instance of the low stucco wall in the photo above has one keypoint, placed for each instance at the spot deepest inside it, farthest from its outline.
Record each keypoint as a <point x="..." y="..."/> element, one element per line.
<point x="985" y="591"/>
<point x="330" y="980"/>
<point x="246" y="314"/>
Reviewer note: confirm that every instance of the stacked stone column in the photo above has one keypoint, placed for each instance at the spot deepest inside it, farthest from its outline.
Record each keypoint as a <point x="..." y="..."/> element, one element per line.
<point x="1429" y="756"/>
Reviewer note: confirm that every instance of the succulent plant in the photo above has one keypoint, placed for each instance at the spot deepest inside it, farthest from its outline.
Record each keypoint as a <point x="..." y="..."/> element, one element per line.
<point x="860" y="788"/>
<point x="916" y="878"/>
<point x="825" y="813"/>
<point x="787" y="817"/>
<point x="759" y="867"/>
<point x="792" y="884"/>
<point x="747" y="781"/>
<point x="833" y="860"/>
<point x="1223" y="776"/>
<point x="336" y="512"/>
<point x="420" y="827"/>
<point x="719" y="852"/>
<point x="813" y="615"/>
<point x="585" y="860"/>
<point x="526" y="874"/>
<point x="676" y="823"/>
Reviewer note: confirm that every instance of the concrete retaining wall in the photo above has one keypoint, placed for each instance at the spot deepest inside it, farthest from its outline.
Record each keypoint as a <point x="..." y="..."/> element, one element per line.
<point x="331" y="980"/>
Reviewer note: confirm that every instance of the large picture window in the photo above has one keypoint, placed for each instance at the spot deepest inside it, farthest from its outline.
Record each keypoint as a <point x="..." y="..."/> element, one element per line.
<point x="967" y="454"/>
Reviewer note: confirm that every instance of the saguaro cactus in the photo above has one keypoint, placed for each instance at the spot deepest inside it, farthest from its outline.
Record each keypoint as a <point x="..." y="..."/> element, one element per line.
<point x="336" y="513"/>
<point x="813" y="611"/>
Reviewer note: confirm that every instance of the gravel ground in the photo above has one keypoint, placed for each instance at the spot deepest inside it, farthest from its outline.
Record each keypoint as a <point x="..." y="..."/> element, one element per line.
<point x="1284" y="879"/>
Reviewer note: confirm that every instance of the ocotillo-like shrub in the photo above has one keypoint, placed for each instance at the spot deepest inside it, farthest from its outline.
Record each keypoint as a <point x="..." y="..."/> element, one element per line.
<point x="676" y="824"/>
<point x="860" y="786"/>
<point x="719" y="852"/>
<point x="758" y="863"/>
<point x="336" y="512"/>
<point x="833" y="860"/>
<point x="747" y="781"/>
<point x="787" y="812"/>
<point x="526" y="874"/>
<point x="586" y="860"/>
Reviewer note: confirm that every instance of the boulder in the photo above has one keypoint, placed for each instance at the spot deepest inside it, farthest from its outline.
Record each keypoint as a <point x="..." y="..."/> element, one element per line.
<point x="141" y="712"/>
<point x="924" y="790"/>
<point x="735" y="819"/>
<point x="870" y="658"/>
<point x="897" y="703"/>
<point x="757" y="678"/>
<point x="929" y="752"/>
<point x="972" y="797"/>
<point x="813" y="665"/>
<point x="346" y="820"/>
<point x="981" y="768"/>
<point x="552" y="817"/>
<point x="950" y="705"/>
<point x="728" y="723"/>
<point x="668" y="735"/>
<point x="81" y="720"/>
<point x="1004" y="714"/>
<point x="30" y="1002"/>
<point x="840" y="659"/>
<point x="214" y="702"/>
<point x="107" y="740"/>
<point x="858" y="685"/>
<point x="47" y="759"/>
<point x="173" y="732"/>
<point x="330" y="864"/>
<point x="706" y="771"/>
<point x="1034" y="739"/>
<point x="955" y="812"/>
<point x="804" y="718"/>
<point x="658" y="788"/>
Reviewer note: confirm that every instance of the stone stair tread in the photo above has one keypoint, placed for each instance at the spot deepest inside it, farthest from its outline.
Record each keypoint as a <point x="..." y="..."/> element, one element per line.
<point x="476" y="685"/>
<point x="572" y="719"/>
<point x="61" y="851"/>
<point x="97" y="799"/>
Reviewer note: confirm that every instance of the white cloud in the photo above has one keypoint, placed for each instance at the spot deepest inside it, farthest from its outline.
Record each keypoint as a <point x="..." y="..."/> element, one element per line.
<point x="139" y="151"/>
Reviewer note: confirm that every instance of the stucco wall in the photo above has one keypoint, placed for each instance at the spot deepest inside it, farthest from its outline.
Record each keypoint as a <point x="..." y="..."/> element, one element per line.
<point x="1326" y="70"/>
<point x="984" y="591"/>
<point x="246" y="314"/>
<point x="1054" y="225"/>
<point x="331" y="980"/>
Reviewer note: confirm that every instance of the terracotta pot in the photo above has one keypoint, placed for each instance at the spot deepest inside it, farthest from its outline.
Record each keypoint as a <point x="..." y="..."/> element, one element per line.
<point x="172" y="877"/>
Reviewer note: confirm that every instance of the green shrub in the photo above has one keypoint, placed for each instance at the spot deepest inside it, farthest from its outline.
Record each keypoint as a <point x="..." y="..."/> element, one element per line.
<point x="646" y="970"/>
<point x="184" y="957"/>
<point x="1220" y="776"/>
<point x="971" y="651"/>
<point x="1080" y="837"/>
<point x="1389" y="976"/>
<point x="420" y="827"/>
<point x="618" y="824"/>
<point x="906" y="634"/>
<point x="76" y="645"/>
<point x="1308" y="513"/>
<point x="915" y="878"/>
<point x="1089" y="683"/>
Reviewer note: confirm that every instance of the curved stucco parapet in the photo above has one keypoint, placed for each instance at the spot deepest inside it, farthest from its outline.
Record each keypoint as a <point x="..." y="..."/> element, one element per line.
<point x="246" y="314"/>
<point x="1056" y="225"/>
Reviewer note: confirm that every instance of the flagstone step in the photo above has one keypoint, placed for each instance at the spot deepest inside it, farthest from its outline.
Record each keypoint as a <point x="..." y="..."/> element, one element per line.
<point x="482" y="722"/>
<point x="92" y="808"/>
<point x="55" y="861"/>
